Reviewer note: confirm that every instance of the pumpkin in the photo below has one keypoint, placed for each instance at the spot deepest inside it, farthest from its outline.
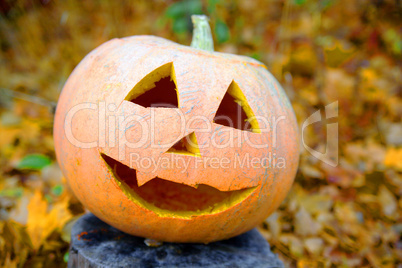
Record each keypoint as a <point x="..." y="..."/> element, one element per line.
<point x="176" y="143"/>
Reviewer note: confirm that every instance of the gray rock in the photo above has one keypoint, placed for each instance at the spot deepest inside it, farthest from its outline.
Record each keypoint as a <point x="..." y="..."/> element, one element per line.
<point x="97" y="244"/>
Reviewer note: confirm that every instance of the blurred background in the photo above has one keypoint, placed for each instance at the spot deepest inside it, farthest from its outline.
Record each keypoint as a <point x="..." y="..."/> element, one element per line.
<point x="320" y="51"/>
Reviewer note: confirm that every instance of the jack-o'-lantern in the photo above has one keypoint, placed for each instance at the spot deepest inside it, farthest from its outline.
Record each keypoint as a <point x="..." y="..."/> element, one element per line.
<point x="176" y="143"/>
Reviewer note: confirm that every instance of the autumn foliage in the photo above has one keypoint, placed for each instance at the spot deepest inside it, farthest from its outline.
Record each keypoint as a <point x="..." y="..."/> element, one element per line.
<point x="320" y="51"/>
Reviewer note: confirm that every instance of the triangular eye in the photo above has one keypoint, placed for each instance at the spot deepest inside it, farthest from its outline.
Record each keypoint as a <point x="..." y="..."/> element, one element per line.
<point x="156" y="89"/>
<point x="187" y="145"/>
<point x="234" y="111"/>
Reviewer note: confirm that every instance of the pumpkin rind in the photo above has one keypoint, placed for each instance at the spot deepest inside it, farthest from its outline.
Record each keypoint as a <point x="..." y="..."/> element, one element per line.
<point x="106" y="78"/>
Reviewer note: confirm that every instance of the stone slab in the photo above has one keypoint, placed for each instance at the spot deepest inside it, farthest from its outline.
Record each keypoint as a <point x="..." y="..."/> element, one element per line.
<point x="97" y="244"/>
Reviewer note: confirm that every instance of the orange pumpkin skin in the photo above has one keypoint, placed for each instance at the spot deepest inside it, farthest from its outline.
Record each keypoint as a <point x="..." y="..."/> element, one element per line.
<point x="107" y="75"/>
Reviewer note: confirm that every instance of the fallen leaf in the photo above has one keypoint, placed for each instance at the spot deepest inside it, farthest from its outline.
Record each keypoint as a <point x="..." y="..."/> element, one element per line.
<point x="314" y="245"/>
<point x="34" y="162"/>
<point x="393" y="158"/>
<point x="273" y="222"/>
<point x="388" y="201"/>
<point x="41" y="223"/>
<point x="294" y="243"/>
<point x="305" y="224"/>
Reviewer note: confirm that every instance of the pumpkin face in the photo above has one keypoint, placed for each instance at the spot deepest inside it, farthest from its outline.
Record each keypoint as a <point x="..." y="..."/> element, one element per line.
<point x="175" y="143"/>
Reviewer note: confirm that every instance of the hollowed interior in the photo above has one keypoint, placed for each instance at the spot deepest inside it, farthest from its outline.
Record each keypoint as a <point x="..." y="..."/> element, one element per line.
<point x="234" y="111"/>
<point x="231" y="114"/>
<point x="156" y="89"/>
<point x="187" y="146"/>
<point x="168" y="198"/>
<point x="162" y="95"/>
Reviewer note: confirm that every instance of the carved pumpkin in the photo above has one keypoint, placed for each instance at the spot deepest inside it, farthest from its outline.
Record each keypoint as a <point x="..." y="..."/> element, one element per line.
<point x="175" y="143"/>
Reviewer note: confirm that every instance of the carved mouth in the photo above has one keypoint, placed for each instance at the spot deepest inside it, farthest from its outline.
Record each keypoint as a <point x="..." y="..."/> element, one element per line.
<point x="171" y="199"/>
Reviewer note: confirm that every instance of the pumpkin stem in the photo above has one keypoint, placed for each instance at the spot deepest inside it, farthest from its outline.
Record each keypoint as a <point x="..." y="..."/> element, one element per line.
<point x="202" y="36"/>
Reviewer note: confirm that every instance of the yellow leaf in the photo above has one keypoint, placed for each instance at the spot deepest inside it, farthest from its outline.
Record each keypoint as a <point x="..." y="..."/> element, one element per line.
<point x="388" y="201"/>
<point x="305" y="224"/>
<point x="40" y="223"/>
<point x="8" y="135"/>
<point x="372" y="85"/>
<point x="10" y="263"/>
<point x="393" y="158"/>
<point x="345" y="212"/>
<point x="337" y="54"/>
<point x="304" y="263"/>
<point x="274" y="224"/>
<point x="314" y="245"/>
<point x="36" y="224"/>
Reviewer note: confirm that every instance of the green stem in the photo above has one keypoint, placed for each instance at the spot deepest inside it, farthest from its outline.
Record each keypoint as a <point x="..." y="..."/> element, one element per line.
<point x="202" y="36"/>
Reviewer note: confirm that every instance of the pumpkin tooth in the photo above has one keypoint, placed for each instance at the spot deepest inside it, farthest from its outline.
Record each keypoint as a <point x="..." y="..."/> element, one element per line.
<point x="143" y="178"/>
<point x="167" y="198"/>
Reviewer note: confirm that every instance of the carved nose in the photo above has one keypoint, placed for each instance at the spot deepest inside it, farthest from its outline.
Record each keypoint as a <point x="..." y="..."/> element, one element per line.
<point x="187" y="145"/>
